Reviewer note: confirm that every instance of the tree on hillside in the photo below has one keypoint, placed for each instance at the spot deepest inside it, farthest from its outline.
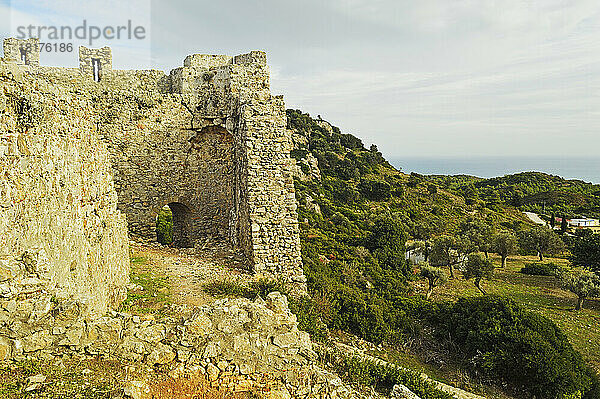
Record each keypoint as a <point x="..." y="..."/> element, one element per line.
<point x="414" y="180"/>
<point x="478" y="268"/>
<point x="470" y="193"/>
<point x="464" y="246"/>
<point x="424" y="229"/>
<point x="505" y="244"/>
<point x="479" y="233"/>
<point x="387" y="232"/>
<point x="387" y="241"/>
<point x="563" y="225"/>
<point x="374" y="190"/>
<point x="541" y="240"/>
<point x="552" y="220"/>
<point x="585" y="251"/>
<point x="443" y="253"/>
<point x="435" y="277"/>
<point x="584" y="284"/>
<point x="432" y="189"/>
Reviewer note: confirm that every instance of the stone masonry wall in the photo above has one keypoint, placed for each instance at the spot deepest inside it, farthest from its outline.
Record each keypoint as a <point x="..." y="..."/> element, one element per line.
<point x="209" y="140"/>
<point x="58" y="208"/>
<point x="236" y="344"/>
<point x="15" y="50"/>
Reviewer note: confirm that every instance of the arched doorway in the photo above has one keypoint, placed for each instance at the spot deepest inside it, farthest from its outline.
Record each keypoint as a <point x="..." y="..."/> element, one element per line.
<point x="173" y="225"/>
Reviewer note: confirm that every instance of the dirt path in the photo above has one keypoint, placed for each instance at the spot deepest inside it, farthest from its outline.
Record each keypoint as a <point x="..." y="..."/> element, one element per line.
<point x="189" y="270"/>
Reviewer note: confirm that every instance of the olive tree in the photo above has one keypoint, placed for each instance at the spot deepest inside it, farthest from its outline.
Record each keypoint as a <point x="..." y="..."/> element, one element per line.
<point x="435" y="277"/>
<point x="584" y="284"/>
<point x="478" y="268"/>
<point x="541" y="240"/>
<point x="479" y="233"/>
<point x="585" y="251"/>
<point x="504" y="243"/>
<point x="443" y="253"/>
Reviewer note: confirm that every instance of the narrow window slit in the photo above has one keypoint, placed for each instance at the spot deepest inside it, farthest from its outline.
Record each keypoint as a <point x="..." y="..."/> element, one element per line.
<point x="96" y="69"/>
<point x="24" y="56"/>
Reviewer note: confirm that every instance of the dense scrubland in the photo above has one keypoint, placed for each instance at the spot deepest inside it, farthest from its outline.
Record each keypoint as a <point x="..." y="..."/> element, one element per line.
<point x="499" y="310"/>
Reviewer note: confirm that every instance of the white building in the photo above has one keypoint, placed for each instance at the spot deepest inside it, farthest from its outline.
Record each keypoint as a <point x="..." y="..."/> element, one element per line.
<point x="583" y="222"/>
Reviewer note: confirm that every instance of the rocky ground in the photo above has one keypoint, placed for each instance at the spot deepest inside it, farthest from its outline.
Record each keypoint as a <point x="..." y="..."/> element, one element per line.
<point x="172" y="339"/>
<point x="189" y="270"/>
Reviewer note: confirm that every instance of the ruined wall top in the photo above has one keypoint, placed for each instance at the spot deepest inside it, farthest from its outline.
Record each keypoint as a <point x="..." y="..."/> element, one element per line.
<point x="97" y="63"/>
<point x="22" y="51"/>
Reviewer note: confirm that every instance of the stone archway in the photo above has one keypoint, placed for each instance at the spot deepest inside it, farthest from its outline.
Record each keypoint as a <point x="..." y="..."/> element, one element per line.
<point x="182" y="225"/>
<point x="176" y="225"/>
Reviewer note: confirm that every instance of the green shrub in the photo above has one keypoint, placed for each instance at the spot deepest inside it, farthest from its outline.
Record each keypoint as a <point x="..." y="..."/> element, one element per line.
<point x="310" y="317"/>
<point x="541" y="269"/>
<point x="379" y="376"/>
<point x="265" y="286"/>
<point x="502" y="340"/>
<point x="164" y="226"/>
<point x="226" y="288"/>
<point x="375" y="190"/>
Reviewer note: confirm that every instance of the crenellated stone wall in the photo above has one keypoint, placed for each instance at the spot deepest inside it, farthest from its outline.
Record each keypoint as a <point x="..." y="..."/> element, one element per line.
<point x="208" y="140"/>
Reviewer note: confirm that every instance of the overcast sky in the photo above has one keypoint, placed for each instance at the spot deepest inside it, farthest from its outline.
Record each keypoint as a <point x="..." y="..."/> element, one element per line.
<point x="418" y="78"/>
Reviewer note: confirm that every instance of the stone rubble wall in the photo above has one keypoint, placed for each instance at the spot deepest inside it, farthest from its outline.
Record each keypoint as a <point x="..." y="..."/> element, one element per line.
<point x="271" y="201"/>
<point x="58" y="207"/>
<point x="236" y="344"/>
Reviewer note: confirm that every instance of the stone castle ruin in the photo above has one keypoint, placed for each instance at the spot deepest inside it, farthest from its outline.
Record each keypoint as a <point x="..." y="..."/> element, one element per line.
<point x="88" y="153"/>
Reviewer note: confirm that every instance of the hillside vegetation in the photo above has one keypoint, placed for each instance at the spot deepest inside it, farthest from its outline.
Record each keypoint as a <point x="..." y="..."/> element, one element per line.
<point x="357" y="213"/>
<point x="529" y="191"/>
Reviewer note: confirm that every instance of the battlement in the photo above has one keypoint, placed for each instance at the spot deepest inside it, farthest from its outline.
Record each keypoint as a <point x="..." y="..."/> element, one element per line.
<point x="213" y="61"/>
<point x="22" y="51"/>
<point x="97" y="63"/>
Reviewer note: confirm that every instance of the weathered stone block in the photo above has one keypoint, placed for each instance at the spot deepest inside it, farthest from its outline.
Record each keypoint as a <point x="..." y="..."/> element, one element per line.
<point x="161" y="354"/>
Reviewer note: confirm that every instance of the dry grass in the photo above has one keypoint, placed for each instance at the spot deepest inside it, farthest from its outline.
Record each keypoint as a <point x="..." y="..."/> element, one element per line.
<point x="192" y="388"/>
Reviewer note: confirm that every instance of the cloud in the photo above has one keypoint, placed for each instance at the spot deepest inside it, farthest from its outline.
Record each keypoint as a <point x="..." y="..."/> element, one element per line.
<point x="432" y="77"/>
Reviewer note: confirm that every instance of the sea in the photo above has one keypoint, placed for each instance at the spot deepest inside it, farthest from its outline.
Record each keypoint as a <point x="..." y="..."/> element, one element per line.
<point x="581" y="168"/>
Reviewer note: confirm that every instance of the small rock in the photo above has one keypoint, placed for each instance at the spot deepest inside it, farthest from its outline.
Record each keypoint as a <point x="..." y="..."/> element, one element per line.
<point x="33" y="387"/>
<point x="212" y="371"/>
<point x="5" y="348"/>
<point x="38" y="378"/>
<point x="277" y="302"/>
<point x="222" y="365"/>
<point x="137" y="390"/>
<point x="162" y="354"/>
<point x="152" y="334"/>
<point x="201" y="325"/>
<point x="213" y="349"/>
<point x="401" y="392"/>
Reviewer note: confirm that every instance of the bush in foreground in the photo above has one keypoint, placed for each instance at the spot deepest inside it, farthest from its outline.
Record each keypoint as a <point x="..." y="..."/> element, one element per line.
<point x="503" y="340"/>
